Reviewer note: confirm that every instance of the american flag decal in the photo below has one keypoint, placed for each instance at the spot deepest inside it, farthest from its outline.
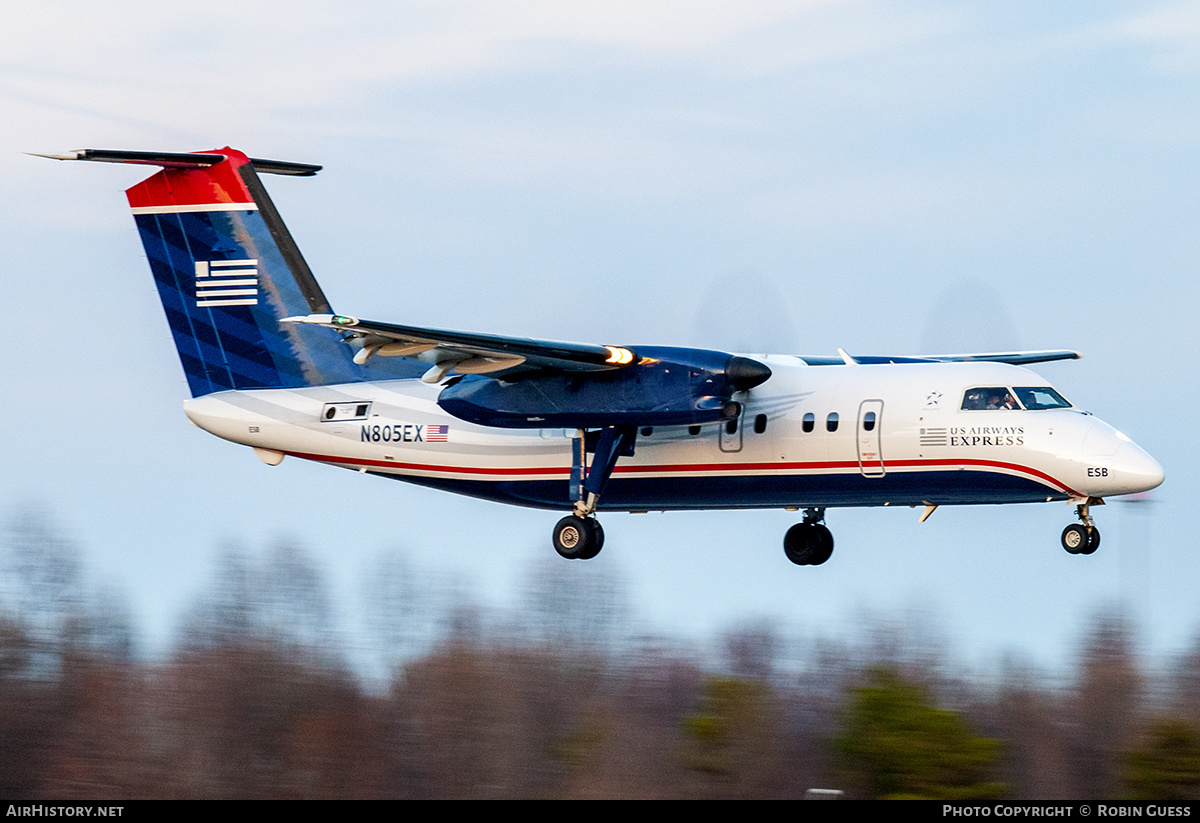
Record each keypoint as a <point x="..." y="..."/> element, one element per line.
<point x="933" y="437"/>
<point x="227" y="282"/>
<point x="437" y="433"/>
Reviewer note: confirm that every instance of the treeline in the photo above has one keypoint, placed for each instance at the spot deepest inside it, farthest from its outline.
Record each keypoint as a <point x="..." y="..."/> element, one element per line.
<point x="257" y="698"/>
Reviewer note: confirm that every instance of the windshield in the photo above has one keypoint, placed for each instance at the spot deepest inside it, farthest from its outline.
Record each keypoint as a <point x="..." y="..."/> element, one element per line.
<point x="1041" y="397"/>
<point x="992" y="397"/>
<point x="1001" y="398"/>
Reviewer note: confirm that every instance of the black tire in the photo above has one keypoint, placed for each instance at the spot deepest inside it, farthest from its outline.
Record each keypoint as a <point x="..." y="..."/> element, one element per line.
<point x="824" y="545"/>
<point x="595" y="539"/>
<point x="578" y="538"/>
<point x="1093" y="541"/>
<point x="1075" y="539"/>
<point x="799" y="544"/>
<point x="571" y="536"/>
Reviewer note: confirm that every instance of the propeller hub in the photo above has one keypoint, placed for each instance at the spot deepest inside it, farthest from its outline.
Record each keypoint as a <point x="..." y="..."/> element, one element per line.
<point x="743" y="374"/>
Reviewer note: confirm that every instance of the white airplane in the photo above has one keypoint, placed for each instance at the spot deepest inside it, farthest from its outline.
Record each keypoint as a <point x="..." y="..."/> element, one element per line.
<point x="586" y="428"/>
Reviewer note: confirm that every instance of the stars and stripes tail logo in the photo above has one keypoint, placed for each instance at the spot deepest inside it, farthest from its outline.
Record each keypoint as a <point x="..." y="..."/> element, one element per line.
<point x="437" y="433"/>
<point x="227" y="282"/>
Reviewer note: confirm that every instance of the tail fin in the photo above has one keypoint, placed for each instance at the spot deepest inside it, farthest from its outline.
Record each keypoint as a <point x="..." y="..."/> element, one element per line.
<point x="228" y="271"/>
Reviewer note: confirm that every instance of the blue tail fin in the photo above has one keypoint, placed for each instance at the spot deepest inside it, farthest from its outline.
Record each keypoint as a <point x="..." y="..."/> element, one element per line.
<point x="228" y="271"/>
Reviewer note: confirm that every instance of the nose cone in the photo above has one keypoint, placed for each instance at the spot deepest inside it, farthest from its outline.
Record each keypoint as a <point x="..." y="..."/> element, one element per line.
<point x="1138" y="471"/>
<point x="1113" y="464"/>
<point x="1129" y="471"/>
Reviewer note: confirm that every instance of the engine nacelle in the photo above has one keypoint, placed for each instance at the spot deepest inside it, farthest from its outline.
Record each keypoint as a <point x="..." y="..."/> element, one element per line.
<point x="666" y="387"/>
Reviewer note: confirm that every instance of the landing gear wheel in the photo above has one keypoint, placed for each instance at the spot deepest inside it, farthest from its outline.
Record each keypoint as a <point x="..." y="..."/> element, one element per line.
<point x="824" y="545"/>
<point x="796" y="544"/>
<point x="1080" y="539"/>
<point x="808" y="544"/>
<point x="578" y="538"/>
<point x="595" y="539"/>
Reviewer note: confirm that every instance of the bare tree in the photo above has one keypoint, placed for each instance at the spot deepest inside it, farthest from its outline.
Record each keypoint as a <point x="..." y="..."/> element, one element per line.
<point x="1105" y="705"/>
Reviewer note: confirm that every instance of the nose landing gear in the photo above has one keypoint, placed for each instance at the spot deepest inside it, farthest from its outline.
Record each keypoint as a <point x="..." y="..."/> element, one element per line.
<point x="809" y="543"/>
<point x="1082" y="537"/>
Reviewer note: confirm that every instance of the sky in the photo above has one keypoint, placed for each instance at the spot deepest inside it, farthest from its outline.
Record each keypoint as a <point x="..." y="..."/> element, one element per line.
<point x="761" y="176"/>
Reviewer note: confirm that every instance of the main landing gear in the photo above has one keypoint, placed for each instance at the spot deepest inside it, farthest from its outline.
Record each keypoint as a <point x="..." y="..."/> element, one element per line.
<point x="809" y="543"/>
<point x="579" y="536"/>
<point x="1082" y="537"/>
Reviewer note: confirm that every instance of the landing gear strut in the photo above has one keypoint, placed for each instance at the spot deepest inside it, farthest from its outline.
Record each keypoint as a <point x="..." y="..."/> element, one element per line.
<point x="579" y="536"/>
<point x="1082" y="537"/>
<point x="809" y="543"/>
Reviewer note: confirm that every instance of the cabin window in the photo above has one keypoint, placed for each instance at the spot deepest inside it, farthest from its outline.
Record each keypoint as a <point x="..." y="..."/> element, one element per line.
<point x="809" y="422"/>
<point x="995" y="398"/>
<point x="647" y="431"/>
<point x="831" y="422"/>
<point x="693" y="429"/>
<point x="760" y="424"/>
<point x="869" y="421"/>
<point x="731" y="426"/>
<point x="1041" y="397"/>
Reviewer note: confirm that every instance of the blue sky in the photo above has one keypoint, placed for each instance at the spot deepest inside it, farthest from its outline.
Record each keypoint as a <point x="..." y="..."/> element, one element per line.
<point x="766" y="176"/>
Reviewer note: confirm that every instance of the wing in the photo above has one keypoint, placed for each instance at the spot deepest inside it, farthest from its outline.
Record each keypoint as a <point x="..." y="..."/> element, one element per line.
<point x="469" y="352"/>
<point x="1015" y="358"/>
<point x="573" y="385"/>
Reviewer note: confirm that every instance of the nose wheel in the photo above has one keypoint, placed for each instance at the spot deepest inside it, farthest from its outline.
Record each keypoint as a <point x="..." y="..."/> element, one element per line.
<point x="809" y="543"/>
<point x="1079" y="539"/>
<point x="1082" y="537"/>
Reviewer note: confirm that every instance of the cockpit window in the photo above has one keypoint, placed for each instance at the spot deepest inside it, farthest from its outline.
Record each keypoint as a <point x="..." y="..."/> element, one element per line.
<point x="991" y="397"/>
<point x="1041" y="397"/>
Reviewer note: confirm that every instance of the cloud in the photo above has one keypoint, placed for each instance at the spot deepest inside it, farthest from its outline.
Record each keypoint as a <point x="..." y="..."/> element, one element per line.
<point x="1171" y="32"/>
<point x="236" y="57"/>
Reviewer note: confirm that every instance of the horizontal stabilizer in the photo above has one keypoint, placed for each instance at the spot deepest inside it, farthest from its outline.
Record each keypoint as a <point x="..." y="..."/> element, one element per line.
<point x="181" y="160"/>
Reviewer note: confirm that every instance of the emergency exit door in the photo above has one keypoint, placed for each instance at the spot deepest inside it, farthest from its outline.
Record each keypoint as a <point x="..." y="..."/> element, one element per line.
<point x="870" y="438"/>
<point x="731" y="433"/>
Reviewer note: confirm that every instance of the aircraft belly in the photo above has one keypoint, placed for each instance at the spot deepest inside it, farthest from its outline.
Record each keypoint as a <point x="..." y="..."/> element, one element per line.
<point x="672" y="491"/>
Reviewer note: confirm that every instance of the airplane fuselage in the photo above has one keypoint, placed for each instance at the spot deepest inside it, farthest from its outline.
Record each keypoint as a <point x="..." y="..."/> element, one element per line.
<point x="584" y="427"/>
<point x="812" y="436"/>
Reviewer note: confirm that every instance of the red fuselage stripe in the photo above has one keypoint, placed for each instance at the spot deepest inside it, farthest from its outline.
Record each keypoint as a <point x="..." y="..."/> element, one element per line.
<point x="688" y="468"/>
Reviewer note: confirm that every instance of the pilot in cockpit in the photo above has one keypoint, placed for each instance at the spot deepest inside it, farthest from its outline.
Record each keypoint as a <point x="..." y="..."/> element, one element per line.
<point x="1007" y="403"/>
<point x="993" y="399"/>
